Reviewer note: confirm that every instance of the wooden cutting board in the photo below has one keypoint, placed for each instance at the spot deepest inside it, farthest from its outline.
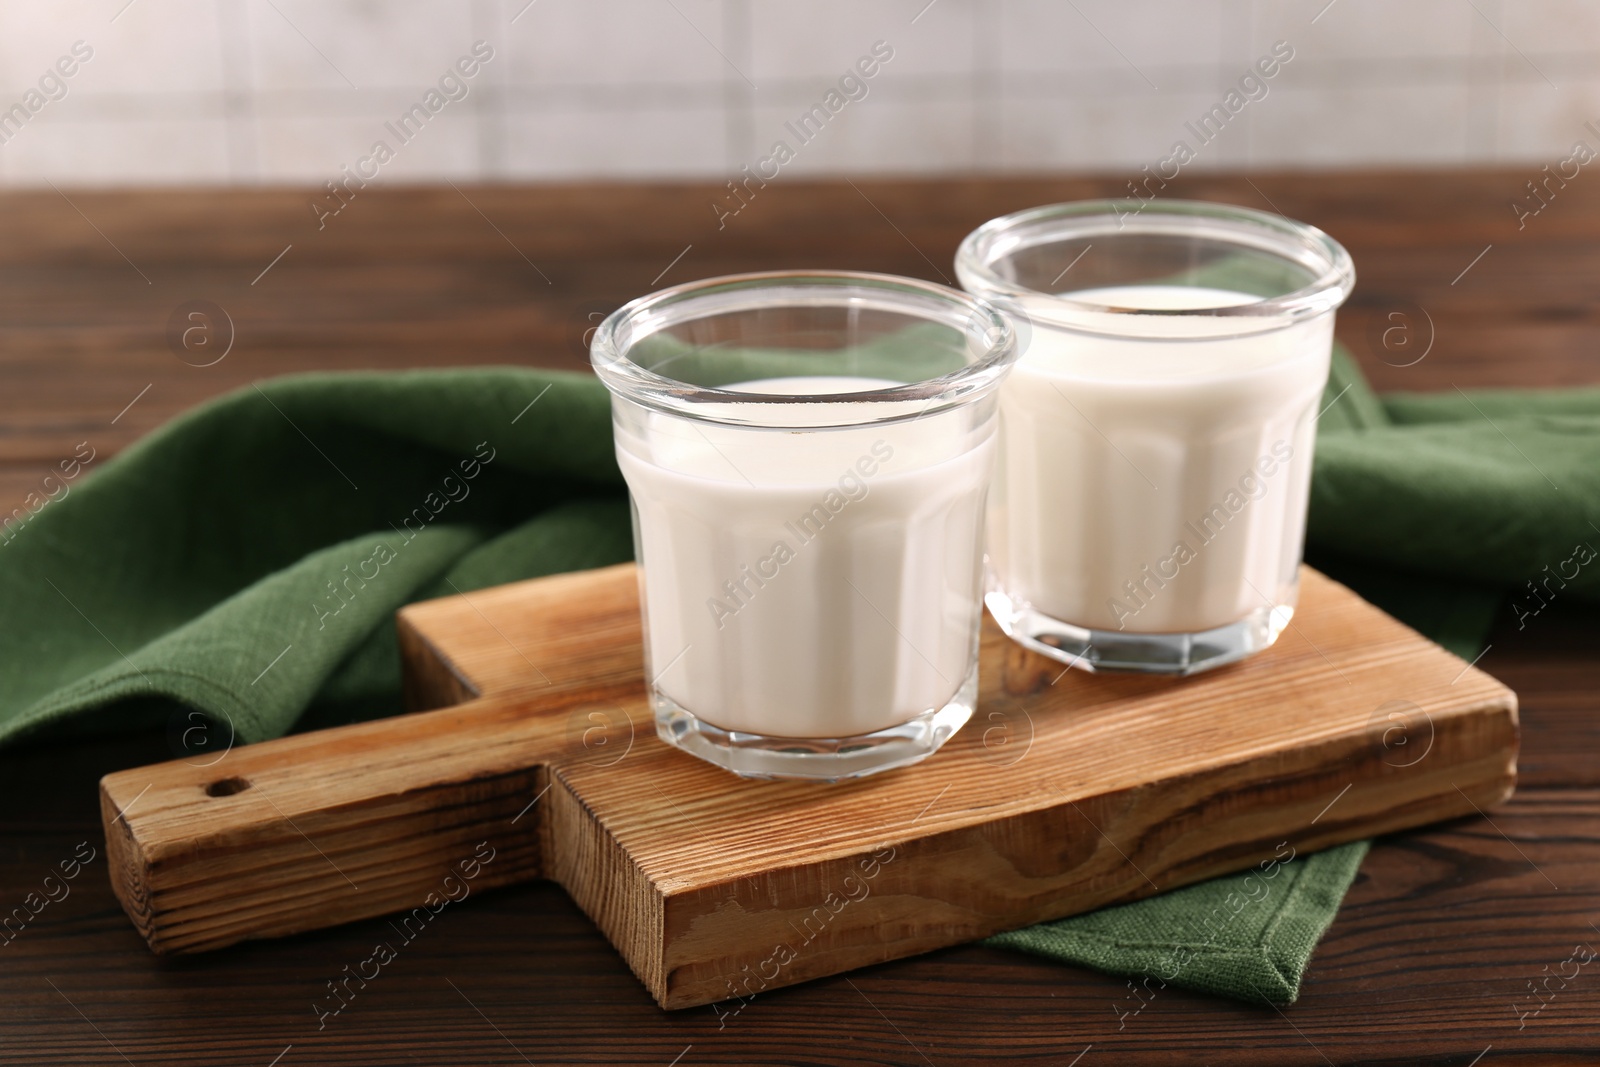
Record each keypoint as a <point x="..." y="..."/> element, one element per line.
<point x="1066" y="792"/>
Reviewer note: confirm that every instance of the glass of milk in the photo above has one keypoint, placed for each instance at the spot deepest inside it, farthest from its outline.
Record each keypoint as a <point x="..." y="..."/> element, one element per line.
<point x="809" y="457"/>
<point x="1155" y="459"/>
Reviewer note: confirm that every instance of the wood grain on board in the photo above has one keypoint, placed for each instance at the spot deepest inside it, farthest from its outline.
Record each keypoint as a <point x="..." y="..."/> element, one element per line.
<point x="1067" y="792"/>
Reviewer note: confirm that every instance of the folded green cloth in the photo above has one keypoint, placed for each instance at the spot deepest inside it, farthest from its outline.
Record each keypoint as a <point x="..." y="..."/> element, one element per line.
<point x="1247" y="935"/>
<point x="291" y="520"/>
<point x="245" y="562"/>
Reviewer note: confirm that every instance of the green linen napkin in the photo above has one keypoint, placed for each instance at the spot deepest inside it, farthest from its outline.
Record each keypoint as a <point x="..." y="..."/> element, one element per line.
<point x="1247" y="935"/>
<point x="244" y="562"/>
<point x="247" y="558"/>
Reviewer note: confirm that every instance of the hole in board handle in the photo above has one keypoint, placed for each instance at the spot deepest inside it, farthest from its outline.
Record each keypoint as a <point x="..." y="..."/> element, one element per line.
<point x="226" y="787"/>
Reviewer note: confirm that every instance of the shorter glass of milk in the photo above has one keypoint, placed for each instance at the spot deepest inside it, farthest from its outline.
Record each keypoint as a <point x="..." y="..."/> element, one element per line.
<point x="1155" y="458"/>
<point x="809" y="455"/>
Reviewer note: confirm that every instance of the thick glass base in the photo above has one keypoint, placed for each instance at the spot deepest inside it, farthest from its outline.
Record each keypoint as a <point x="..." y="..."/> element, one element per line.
<point x="1156" y="653"/>
<point x="819" y="759"/>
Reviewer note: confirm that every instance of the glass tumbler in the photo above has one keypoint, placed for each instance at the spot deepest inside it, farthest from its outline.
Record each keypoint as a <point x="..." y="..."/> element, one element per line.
<point x="808" y="455"/>
<point x="1156" y="434"/>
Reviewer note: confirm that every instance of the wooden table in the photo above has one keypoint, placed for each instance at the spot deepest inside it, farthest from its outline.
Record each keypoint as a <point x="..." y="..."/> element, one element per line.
<point x="1429" y="961"/>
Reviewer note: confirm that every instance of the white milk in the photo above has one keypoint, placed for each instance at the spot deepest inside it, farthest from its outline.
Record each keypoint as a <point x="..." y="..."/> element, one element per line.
<point x="1153" y="485"/>
<point x="809" y="584"/>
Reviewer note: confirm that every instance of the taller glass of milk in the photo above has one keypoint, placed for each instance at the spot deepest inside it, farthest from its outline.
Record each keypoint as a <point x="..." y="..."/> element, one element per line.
<point x="1155" y="462"/>
<point x="809" y="457"/>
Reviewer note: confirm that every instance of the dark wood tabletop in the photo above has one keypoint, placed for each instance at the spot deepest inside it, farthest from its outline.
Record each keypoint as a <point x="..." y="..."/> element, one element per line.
<point x="1431" y="959"/>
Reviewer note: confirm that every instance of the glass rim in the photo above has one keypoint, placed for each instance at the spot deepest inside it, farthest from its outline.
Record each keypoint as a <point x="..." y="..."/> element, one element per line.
<point x="984" y="327"/>
<point x="1297" y="242"/>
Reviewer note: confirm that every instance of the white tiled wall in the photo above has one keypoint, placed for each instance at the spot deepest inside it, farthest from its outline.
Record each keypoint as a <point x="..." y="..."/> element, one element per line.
<point x="198" y="91"/>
